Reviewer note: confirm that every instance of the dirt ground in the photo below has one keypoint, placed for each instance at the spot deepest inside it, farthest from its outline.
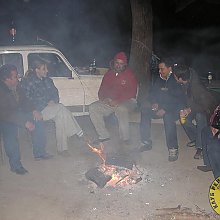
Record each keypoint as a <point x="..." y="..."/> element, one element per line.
<point x="57" y="189"/>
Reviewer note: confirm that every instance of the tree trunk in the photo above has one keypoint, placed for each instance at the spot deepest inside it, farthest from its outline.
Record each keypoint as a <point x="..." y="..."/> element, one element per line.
<point x="141" y="46"/>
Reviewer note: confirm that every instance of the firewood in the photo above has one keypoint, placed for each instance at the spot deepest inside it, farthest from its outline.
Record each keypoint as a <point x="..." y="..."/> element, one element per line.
<point x="98" y="177"/>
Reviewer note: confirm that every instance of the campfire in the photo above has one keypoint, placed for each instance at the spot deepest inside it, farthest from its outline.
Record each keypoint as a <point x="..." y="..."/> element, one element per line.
<point x="115" y="170"/>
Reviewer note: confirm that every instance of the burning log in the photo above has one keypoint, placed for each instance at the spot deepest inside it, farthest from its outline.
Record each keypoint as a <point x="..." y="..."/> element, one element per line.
<point x="119" y="160"/>
<point x="121" y="179"/>
<point x="98" y="177"/>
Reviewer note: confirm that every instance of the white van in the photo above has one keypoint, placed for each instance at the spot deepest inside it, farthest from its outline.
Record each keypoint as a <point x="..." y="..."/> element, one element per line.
<point x="76" y="91"/>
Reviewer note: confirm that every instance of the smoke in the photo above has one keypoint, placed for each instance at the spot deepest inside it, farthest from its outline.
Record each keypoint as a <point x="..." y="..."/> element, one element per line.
<point x="83" y="30"/>
<point x="200" y="48"/>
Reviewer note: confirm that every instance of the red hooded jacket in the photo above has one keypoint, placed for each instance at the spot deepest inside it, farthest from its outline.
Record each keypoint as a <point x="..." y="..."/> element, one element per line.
<point x="119" y="87"/>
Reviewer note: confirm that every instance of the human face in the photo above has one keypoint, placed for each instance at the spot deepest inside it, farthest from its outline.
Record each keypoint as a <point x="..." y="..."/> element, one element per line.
<point x="119" y="65"/>
<point x="42" y="71"/>
<point x="164" y="70"/>
<point x="12" y="81"/>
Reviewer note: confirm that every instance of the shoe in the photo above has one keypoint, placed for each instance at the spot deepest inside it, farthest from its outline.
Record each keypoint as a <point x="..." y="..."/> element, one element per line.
<point x="46" y="156"/>
<point x="98" y="141"/>
<point x="198" y="154"/>
<point x="204" y="168"/>
<point x="64" y="153"/>
<point x="173" y="154"/>
<point x="19" y="171"/>
<point x="191" y="144"/>
<point x="145" y="146"/>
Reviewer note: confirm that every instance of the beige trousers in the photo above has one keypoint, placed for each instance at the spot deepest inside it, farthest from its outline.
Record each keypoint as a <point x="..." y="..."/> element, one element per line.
<point x="66" y="124"/>
<point x="98" y="110"/>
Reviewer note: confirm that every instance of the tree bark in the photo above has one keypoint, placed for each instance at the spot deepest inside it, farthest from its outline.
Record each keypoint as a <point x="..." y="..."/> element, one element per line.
<point x="141" y="46"/>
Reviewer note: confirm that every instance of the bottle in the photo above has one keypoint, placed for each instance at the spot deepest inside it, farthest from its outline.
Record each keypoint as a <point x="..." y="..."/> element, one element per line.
<point x="182" y="117"/>
<point x="93" y="66"/>
<point x="12" y="31"/>
<point x="210" y="77"/>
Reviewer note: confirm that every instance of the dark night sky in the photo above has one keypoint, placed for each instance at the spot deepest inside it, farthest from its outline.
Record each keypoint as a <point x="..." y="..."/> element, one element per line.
<point x="87" y="29"/>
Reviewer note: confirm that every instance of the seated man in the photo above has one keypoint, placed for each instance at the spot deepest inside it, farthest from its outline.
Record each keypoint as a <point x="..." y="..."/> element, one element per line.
<point x="211" y="145"/>
<point x="200" y="105"/>
<point x="40" y="89"/>
<point x="117" y="94"/>
<point x="166" y="98"/>
<point x="17" y="111"/>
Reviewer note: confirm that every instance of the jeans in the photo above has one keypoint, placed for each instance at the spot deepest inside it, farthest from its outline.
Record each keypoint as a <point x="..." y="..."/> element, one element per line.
<point x="10" y="138"/>
<point x="39" y="139"/>
<point x="169" y="119"/>
<point x="211" y="151"/>
<point x="194" y="131"/>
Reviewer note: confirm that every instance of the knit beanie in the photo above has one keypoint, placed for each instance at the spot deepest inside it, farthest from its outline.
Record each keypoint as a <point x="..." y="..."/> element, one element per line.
<point x="121" y="56"/>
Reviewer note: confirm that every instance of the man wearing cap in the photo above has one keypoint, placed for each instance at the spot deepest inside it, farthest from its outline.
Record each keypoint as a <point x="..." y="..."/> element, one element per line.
<point x="117" y="94"/>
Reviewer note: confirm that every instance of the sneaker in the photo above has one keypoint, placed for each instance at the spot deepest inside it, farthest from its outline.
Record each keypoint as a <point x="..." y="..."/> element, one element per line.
<point x="204" y="168"/>
<point x="198" y="154"/>
<point x="145" y="146"/>
<point x="173" y="154"/>
<point x="46" y="156"/>
<point x="191" y="144"/>
<point x="64" y="153"/>
<point x="98" y="141"/>
<point x="20" y="171"/>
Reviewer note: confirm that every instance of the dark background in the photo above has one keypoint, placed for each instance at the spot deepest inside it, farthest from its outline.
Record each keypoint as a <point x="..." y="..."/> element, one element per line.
<point x="87" y="29"/>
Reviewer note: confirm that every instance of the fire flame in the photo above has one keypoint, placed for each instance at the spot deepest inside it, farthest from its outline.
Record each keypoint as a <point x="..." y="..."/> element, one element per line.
<point x="119" y="176"/>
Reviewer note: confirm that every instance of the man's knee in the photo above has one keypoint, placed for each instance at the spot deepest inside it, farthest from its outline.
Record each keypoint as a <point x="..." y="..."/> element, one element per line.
<point x="93" y="107"/>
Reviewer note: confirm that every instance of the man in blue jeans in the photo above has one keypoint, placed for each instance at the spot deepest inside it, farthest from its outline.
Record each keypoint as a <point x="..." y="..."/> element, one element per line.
<point x="200" y="105"/>
<point x="16" y="111"/>
<point x="211" y="145"/>
<point x="166" y="99"/>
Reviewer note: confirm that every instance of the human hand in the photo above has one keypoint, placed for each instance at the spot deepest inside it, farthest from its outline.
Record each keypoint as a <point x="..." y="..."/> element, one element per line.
<point x="106" y="101"/>
<point x="185" y="112"/>
<point x="110" y="102"/>
<point x="30" y="126"/>
<point x="113" y="103"/>
<point x="154" y="107"/>
<point x="160" y="113"/>
<point x="188" y="111"/>
<point x="37" y="115"/>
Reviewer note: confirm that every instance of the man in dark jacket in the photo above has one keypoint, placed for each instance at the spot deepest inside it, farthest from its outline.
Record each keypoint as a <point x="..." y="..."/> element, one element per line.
<point x="200" y="105"/>
<point x="166" y="98"/>
<point x="16" y="111"/>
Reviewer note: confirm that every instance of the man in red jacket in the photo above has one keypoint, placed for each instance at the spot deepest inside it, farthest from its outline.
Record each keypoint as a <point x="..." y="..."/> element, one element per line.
<point x="117" y="94"/>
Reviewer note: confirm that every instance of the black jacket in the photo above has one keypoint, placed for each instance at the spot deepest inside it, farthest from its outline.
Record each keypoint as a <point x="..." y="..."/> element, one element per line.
<point x="168" y="94"/>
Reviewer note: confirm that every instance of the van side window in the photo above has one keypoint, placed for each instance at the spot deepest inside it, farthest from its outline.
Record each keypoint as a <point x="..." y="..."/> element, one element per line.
<point x="56" y="66"/>
<point x="14" y="59"/>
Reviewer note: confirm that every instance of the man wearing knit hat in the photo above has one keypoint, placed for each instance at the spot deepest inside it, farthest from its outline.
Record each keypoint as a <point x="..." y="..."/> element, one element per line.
<point x="117" y="94"/>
